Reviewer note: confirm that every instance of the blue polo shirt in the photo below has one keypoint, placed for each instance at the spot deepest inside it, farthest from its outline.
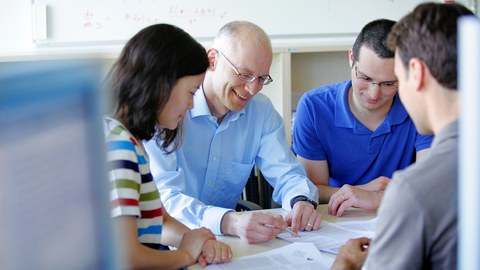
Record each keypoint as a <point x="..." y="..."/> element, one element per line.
<point x="326" y="129"/>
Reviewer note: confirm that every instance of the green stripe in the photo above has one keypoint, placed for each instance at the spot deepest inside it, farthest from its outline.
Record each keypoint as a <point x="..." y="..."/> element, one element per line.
<point x="117" y="130"/>
<point x="124" y="183"/>
<point x="150" y="196"/>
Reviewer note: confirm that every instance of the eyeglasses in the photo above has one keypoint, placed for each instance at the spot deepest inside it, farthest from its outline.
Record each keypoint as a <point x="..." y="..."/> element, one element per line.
<point x="388" y="86"/>
<point x="248" y="77"/>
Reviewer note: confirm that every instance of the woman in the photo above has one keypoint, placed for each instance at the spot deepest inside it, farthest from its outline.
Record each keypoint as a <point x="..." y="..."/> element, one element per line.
<point x="153" y="83"/>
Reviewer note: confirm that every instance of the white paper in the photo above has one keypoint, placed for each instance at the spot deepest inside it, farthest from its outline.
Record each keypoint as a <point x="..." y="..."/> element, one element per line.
<point x="294" y="256"/>
<point x="331" y="236"/>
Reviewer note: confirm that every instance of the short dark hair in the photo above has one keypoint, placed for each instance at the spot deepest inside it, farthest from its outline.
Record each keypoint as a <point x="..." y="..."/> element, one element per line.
<point x="429" y="33"/>
<point x="142" y="78"/>
<point x="374" y="36"/>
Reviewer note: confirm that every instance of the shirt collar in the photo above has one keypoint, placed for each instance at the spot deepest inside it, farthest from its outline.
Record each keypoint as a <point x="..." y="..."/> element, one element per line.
<point x="200" y="107"/>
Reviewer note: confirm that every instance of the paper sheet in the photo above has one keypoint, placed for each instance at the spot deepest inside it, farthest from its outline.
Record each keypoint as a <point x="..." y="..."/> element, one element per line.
<point x="294" y="256"/>
<point x="331" y="236"/>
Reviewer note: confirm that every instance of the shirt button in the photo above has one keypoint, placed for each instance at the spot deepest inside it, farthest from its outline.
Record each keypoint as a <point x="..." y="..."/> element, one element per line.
<point x="214" y="158"/>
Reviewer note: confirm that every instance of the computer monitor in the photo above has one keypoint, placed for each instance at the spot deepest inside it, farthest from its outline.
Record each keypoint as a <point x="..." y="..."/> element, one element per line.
<point x="54" y="207"/>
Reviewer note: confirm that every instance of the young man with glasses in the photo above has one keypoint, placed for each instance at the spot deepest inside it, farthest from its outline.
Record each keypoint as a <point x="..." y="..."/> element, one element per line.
<point x="352" y="135"/>
<point x="232" y="127"/>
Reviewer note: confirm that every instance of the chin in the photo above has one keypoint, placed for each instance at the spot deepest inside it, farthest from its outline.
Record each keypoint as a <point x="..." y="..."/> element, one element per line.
<point x="169" y="126"/>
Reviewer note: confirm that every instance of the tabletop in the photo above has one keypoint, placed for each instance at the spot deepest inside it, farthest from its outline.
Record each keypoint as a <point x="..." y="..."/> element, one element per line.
<point x="241" y="248"/>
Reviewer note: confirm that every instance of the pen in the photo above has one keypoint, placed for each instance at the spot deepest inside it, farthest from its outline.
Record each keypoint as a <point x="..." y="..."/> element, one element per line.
<point x="286" y="229"/>
<point x="292" y="232"/>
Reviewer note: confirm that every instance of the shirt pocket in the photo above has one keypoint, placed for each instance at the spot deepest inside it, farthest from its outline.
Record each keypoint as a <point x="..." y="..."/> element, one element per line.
<point x="233" y="178"/>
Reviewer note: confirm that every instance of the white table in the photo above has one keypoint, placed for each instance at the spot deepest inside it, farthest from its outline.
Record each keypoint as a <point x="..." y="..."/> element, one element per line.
<point x="241" y="248"/>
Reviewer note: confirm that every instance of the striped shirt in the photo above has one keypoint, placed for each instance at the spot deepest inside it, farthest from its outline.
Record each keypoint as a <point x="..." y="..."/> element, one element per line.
<point x="132" y="189"/>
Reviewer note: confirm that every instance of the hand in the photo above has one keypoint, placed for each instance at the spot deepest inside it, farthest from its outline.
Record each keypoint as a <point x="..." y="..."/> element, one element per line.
<point x="193" y="241"/>
<point x="350" y="196"/>
<point x="214" y="251"/>
<point x="352" y="255"/>
<point x="380" y="183"/>
<point x="254" y="227"/>
<point x="303" y="217"/>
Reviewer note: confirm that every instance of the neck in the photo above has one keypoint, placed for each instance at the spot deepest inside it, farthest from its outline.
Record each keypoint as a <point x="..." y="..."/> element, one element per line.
<point x="443" y="109"/>
<point x="214" y="104"/>
<point x="369" y="118"/>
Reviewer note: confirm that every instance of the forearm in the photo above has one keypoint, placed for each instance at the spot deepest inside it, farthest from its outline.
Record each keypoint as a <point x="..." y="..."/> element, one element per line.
<point x="325" y="192"/>
<point x="139" y="256"/>
<point x="172" y="230"/>
<point x="225" y="225"/>
<point x="147" y="258"/>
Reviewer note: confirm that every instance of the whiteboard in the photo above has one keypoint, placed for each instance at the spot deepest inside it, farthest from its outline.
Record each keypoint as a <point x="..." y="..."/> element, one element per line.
<point x="115" y="21"/>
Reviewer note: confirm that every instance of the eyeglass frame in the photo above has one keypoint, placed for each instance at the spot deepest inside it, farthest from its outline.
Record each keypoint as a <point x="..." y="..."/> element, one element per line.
<point x="249" y="78"/>
<point x="381" y="85"/>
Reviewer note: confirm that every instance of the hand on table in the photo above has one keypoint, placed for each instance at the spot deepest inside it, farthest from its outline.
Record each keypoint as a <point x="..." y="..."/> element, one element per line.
<point x="303" y="217"/>
<point x="214" y="251"/>
<point x="350" y="196"/>
<point x="254" y="227"/>
<point x="193" y="241"/>
<point x="352" y="255"/>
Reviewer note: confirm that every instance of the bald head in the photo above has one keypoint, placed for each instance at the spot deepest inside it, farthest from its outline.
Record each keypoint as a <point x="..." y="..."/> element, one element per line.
<point x="236" y="34"/>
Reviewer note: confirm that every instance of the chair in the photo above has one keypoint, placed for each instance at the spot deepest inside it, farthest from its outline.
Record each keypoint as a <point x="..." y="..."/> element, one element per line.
<point x="257" y="193"/>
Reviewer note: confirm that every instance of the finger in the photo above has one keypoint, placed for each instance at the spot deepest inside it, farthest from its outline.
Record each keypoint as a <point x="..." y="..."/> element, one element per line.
<point x="208" y="252"/>
<point x="296" y="221"/>
<point x="217" y="254"/>
<point x="310" y="223"/>
<point x="318" y="222"/>
<point x="202" y="261"/>
<point x="270" y="220"/>
<point x="227" y="254"/>
<point x="335" y="203"/>
<point x="344" y="206"/>
<point x="364" y="240"/>
<point x="261" y="233"/>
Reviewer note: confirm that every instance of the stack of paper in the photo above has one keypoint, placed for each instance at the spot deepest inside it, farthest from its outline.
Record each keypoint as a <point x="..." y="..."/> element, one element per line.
<point x="331" y="236"/>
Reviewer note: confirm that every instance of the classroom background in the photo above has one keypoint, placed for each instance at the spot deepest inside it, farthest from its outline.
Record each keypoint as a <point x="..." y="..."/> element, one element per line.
<point x="310" y="39"/>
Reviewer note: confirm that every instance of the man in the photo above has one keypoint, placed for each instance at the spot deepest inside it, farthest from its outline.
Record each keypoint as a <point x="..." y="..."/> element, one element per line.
<point x="352" y="135"/>
<point x="230" y="129"/>
<point x="417" y="220"/>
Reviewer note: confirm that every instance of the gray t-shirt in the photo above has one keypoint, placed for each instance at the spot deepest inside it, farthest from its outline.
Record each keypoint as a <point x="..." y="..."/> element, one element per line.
<point x="417" y="219"/>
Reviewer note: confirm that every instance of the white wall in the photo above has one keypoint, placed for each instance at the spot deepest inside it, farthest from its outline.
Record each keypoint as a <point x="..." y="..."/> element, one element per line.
<point x="15" y="26"/>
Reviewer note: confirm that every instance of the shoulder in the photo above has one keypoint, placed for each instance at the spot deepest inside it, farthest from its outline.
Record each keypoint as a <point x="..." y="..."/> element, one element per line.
<point x="113" y="129"/>
<point x="431" y="175"/>
<point x="258" y="104"/>
<point x="118" y="139"/>
<point x="324" y="95"/>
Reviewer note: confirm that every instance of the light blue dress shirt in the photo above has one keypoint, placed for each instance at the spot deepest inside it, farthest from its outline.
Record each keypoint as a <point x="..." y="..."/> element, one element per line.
<point x="204" y="178"/>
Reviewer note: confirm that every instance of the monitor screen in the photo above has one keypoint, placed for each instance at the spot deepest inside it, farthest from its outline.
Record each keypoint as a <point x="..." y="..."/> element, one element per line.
<point x="53" y="190"/>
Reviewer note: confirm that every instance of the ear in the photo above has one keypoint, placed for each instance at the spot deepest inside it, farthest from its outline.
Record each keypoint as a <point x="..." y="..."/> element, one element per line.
<point x="212" y="58"/>
<point x="350" y="57"/>
<point x="416" y="72"/>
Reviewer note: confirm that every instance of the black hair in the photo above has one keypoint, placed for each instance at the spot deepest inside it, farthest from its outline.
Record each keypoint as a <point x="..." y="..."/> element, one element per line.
<point x="142" y="78"/>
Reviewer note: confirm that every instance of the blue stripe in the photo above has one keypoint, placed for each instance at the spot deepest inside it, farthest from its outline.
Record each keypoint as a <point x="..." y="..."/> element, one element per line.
<point x="120" y="145"/>
<point x="125" y="145"/>
<point x="150" y="230"/>
<point x="141" y="160"/>
<point x="123" y="164"/>
<point x="147" y="178"/>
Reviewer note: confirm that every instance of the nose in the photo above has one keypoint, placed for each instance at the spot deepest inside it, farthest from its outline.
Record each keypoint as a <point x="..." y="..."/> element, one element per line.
<point x="253" y="87"/>
<point x="374" y="90"/>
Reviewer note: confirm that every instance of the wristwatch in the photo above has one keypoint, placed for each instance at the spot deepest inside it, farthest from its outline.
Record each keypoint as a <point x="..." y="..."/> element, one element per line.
<point x="302" y="198"/>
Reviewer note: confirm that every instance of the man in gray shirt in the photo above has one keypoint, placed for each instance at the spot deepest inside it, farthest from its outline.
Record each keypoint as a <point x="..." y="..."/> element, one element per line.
<point x="417" y="218"/>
